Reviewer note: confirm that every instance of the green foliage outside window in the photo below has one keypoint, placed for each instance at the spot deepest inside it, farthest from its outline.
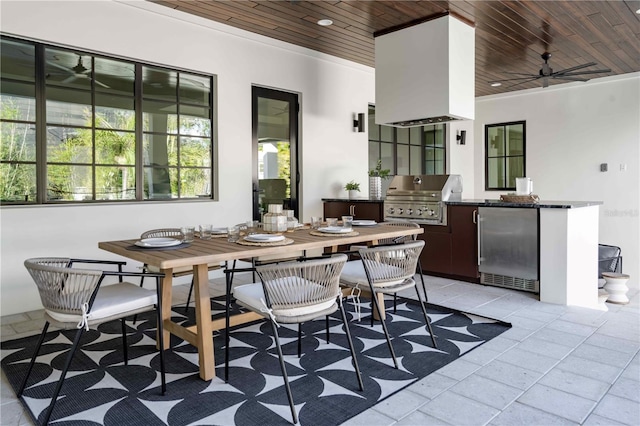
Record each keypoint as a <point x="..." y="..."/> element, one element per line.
<point x="90" y="147"/>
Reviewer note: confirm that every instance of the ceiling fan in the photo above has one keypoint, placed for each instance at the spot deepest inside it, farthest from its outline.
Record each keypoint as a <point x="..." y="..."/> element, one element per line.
<point x="546" y="73"/>
<point x="76" y="72"/>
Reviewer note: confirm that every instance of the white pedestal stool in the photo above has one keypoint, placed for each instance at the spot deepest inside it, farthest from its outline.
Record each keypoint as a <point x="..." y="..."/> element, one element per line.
<point x="616" y="286"/>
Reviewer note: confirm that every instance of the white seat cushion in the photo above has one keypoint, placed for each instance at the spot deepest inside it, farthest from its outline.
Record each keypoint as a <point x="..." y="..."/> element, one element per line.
<point x="252" y="295"/>
<point x="353" y="274"/>
<point x="113" y="300"/>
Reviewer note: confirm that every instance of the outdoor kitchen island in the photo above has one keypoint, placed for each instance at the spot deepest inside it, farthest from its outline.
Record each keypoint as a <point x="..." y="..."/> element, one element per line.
<point x="567" y="244"/>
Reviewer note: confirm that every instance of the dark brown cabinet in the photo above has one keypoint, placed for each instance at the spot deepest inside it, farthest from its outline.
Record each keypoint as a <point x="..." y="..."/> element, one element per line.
<point x="464" y="240"/>
<point x="436" y="254"/>
<point x="359" y="209"/>
<point x="451" y="250"/>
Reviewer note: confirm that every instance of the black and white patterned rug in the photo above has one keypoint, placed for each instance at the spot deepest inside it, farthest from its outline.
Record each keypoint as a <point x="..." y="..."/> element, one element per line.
<point x="99" y="389"/>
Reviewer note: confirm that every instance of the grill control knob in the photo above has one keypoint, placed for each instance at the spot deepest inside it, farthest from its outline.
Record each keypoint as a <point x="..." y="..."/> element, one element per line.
<point x="392" y="210"/>
<point x="431" y="213"/>
<point x="409" y="211"/>
<point x="400" y="211"/>
<point x="419" y="212"/>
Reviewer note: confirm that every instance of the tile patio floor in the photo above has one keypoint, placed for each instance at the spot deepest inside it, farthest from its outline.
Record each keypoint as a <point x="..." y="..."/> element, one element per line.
<point x="557" y="365"/>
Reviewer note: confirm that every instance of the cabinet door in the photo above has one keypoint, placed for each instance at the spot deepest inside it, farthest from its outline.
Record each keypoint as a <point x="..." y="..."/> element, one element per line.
<point x="436" y="255"/>
<point x="370" y="211"/>
<point x="336" y="209"/>
<point x="464" y="241"/>
<point x="358" y="210"/>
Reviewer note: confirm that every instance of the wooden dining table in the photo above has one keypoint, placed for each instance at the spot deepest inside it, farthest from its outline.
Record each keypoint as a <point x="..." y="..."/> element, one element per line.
<point x="200" y="253"/>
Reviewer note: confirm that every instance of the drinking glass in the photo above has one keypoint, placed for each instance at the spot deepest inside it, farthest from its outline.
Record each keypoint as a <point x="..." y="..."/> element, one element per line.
<point x="233" y="234"/>
<point x="315" y="222"/>
<point x="252" y="227"/>
<point x="205" y="231"/>
<point x="188" y="233"/>
<point x="347" y="222"/>
<point x="332" y="221"/>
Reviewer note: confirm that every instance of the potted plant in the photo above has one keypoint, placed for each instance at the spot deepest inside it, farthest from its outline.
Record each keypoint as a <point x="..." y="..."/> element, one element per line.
<point x="375" y="180"/>
<point x="353" y="188"/>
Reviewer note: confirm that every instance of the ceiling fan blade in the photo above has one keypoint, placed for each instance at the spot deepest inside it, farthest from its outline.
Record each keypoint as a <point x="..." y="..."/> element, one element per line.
<point x="545" y="81"/>
<point x="577" y="67"/>
<point x="522" y="82"/>
<point x="521" y="73"/>
<point x="586" y="72"/>
<point x="53" y="64"/>
<point x="102" y="84"/>
<point x="530" y="76"/>
<point x="563" y="77"/>
<point x="69" y="79"/>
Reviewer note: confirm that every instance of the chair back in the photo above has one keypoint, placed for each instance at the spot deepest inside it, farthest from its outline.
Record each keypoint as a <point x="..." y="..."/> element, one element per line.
<point x="386" y="265"/>
<point x="404" y="239"/>
<point x="301" y="283"/>
<point x="162" y="232"/>
<point x="62" y="289"/>
<point x="609" y="259"/>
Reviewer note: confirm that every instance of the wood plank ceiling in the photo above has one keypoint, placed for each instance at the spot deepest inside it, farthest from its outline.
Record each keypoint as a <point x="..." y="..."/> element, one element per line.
<point x="510" y="35"/>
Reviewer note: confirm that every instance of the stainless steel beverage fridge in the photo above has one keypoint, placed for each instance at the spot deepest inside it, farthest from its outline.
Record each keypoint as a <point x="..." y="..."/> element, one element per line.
<point x="508" y="241"/>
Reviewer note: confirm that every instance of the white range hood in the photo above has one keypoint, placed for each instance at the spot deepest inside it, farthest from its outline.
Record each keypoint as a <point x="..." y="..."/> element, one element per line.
<point x="425" y="74"/>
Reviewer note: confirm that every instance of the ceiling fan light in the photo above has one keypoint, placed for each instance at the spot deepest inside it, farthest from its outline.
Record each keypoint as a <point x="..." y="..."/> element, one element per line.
<point x="325" y="22"/>
<point x="495" y="84"/>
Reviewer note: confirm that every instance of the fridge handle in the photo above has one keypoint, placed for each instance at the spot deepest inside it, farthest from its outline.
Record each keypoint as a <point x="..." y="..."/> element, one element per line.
<point x="477" y="220"/>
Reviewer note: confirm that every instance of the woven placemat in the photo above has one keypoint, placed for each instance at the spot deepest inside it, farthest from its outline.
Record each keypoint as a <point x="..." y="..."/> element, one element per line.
<point x="329" y="234"/>
<point x="284" y="242"/>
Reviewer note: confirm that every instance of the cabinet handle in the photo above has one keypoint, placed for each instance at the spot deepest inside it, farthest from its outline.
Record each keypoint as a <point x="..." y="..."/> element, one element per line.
<point x="475" y="216"/>
<point x="352" y="210"/>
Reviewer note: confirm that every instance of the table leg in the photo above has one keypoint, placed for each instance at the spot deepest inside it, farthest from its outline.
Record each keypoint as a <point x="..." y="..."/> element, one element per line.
<point x="204" y="337"/>
<point x="380" y="297"/>
<point x="167" y="286"/>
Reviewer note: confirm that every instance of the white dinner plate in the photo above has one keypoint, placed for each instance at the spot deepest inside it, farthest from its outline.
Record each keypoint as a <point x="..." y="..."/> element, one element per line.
<point x="157" y="242"/>
<point x="334" y="230"/>
<point x="364" y="223"/>
<point x="264" y="238"/>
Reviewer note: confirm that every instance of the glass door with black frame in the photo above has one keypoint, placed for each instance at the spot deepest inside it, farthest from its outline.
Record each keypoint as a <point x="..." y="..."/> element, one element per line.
<point x="275" y="147"/>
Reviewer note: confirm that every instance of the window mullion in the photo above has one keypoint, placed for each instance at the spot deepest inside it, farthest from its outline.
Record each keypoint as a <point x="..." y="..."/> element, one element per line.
<point x="41" y="127"/>
<point x="178" y="139"/>
<point x="139" y="165"/>
<point x="94" y="173"/>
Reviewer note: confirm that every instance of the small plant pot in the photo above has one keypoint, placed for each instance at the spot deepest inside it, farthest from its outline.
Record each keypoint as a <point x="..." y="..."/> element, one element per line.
<point x="353" y="194"/>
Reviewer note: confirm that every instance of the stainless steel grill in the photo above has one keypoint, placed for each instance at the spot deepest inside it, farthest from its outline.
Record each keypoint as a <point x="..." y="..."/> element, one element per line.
<point x="421" y="198"/>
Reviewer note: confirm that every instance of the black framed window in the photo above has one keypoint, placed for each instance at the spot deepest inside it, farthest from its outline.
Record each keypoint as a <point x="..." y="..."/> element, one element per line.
<point x="505" y="147"/>
<point x="407" y="151"/>
<point x="81" y="127"/>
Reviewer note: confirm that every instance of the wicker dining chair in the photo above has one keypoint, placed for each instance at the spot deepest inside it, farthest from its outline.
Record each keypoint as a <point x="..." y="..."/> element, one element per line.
<point x="76" y="299"/>
<point x="177" y="272"/>
<point x="400" y="240"/>
<point x="387" y="270"/>
<point x="290" y="293"/>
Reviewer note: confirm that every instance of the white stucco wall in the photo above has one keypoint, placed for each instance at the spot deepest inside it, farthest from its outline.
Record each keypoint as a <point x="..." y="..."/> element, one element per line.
<point x="571" y="130"/>
<point x="331" y="91"/>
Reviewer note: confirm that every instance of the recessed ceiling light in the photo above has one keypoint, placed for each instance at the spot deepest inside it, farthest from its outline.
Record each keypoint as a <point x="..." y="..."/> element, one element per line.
<point x="496" y="84"/>
<point x="325" y="22"/>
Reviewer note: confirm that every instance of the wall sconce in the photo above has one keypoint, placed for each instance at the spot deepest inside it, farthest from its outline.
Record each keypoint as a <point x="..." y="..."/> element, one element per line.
<point x="358" y="123"/>
<point x="461" y="137"/>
